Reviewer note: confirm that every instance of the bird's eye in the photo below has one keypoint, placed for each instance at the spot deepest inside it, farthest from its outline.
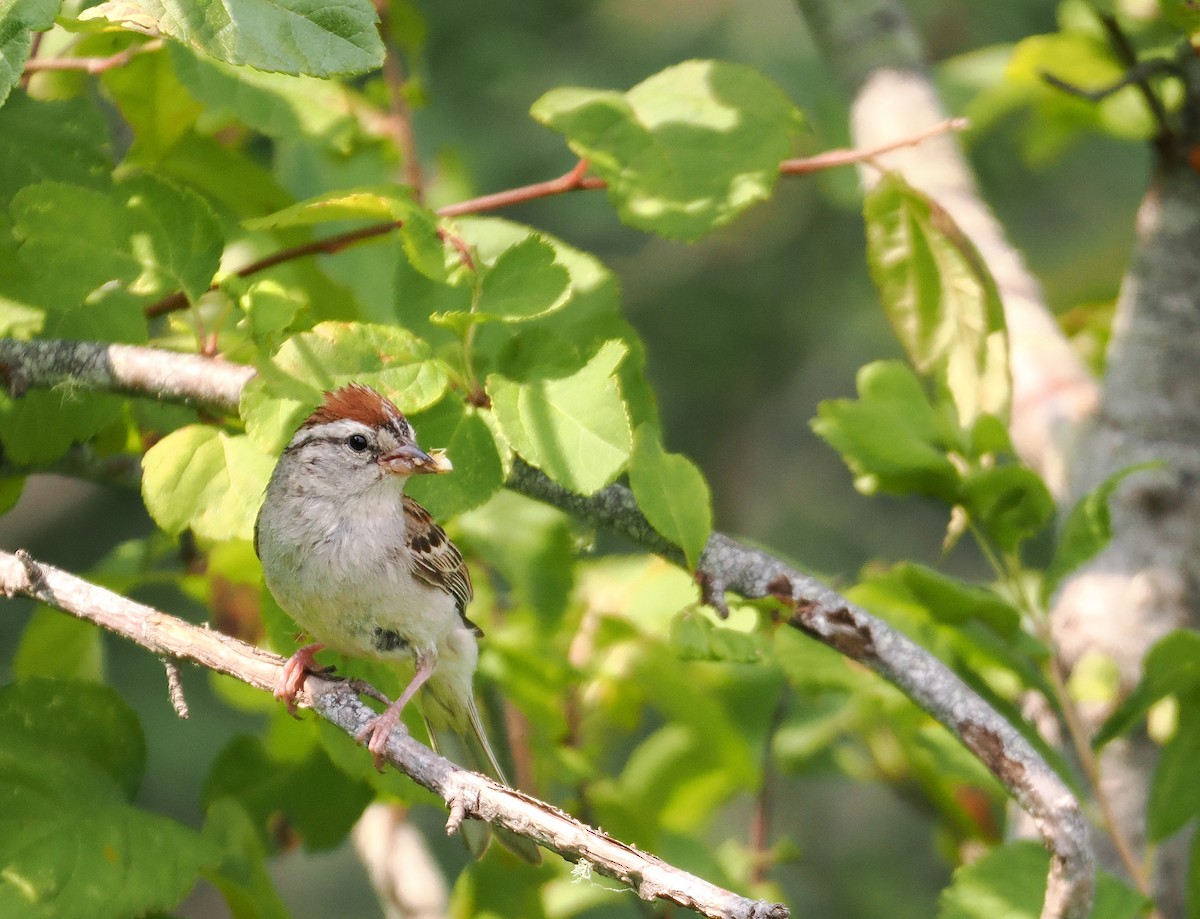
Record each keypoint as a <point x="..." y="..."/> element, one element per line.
<point x="357" y="442"/>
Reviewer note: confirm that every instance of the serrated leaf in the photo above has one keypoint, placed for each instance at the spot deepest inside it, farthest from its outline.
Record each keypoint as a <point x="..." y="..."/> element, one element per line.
<point x="174" y="236"/>
<point x="890" y="436"/>
<point x="576" y="429"/>
<point x="469" y="444"/>
<point x="205" y="480"/>
<point x="1010" y="881"/>
<point x="317" y="801"/>
<point x="146" y="234"/>
<point x="1086" y="530"/>
<point x="939" y="297"/>
<point x="285" y="36"/>
<point x="76" y="238"/>
<point x="686" y="150"/>
<point x="18" y="20"/>
<point x="1172" y="666"/>
<point x="1009" y="503"/>
<point x="332" y="354"/>
<point x="524" y="282"/>
<point x="672" y="492"/>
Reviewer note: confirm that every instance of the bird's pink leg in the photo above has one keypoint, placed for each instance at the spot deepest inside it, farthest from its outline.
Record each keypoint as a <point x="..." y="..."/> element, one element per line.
<point x="379" y="728"/>
<point x="295" y="672"/>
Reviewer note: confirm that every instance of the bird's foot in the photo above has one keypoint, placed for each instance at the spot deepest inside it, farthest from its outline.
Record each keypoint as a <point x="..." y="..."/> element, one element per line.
<point x="378" y="730"/>
<point x="295" y="672"/>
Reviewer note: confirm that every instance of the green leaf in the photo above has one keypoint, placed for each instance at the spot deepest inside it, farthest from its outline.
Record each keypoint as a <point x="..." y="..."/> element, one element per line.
<point x="205" y="480"/>
<point x="939" y="297"/>
<point x="275" y="104"/>
<point x="148" y="234"/>
<point x="1086" y="530"/>
<point x="64" y="141"/>
<point x="29" y="439"/>
<point x="1009" y="503"/>
<point x="76" y="238"/>
<point x="1010" y="882"/>
<point x="156" y="106"/>
<point x="533" y="548"/>
<point x="270" y="309"/>
<point x="376" y="203"/>
<point x="71" y="846"/>
<point x="242" y="876"/>
<point x="671" y="492"/>
<point x="890" y="436"/>
<point x="174" y="236"/>
<point x="1174" y="791"/>
<point x="695" y="638"/>
<point x="286" y="36"/>
<point x="955" y="602"/>
<point x="525" y="281"/>
<point x="71" y="758"/>
<point x="71" y="718"/>
<point x="686" y="150"/>
<point x="1172" y="666"/>
<point x="470" y="446"/>
<point x="307" y="792"/>
<point x="57" y="645"/>
<point x="576" y="429"/>
<point x="332" y="354"/>
<point x="18" y="20"/>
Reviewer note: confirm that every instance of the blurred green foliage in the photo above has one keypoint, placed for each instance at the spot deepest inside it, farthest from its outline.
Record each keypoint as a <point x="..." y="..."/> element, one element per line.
<point x="642" y="712"/>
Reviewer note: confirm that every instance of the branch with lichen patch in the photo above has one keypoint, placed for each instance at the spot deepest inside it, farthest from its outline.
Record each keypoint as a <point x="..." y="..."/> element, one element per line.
<point x="727" y="565"/>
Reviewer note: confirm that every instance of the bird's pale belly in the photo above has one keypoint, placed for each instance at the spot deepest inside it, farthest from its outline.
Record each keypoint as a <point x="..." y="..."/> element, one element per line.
<point x="366" y="615"/>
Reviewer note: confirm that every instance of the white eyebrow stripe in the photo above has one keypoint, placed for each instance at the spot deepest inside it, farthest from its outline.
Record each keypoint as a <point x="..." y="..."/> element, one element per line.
<point x="330" y="430"/>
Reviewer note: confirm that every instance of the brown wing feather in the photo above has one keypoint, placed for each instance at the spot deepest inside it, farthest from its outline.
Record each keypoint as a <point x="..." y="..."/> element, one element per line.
<point x="436" y="560"/>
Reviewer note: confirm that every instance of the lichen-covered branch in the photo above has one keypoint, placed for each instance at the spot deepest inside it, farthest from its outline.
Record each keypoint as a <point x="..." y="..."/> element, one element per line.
<point x="728" y="565"/>
<point x="467" y="794"/>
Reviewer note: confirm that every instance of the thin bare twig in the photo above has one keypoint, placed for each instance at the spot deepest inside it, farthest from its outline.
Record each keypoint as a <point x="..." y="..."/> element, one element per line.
<point x="576" y="179"/>
<point x="92" y="65"/>
<point x="850" y="156"/>
<point x="465" y="793"/>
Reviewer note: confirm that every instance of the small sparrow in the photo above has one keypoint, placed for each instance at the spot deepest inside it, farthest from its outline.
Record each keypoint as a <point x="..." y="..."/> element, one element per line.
<point x="365" y="571"/>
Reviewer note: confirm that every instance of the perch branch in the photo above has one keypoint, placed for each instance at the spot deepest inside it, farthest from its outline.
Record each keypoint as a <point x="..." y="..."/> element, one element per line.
<point x="727" y="565"/>
<point x="468" y="793"/>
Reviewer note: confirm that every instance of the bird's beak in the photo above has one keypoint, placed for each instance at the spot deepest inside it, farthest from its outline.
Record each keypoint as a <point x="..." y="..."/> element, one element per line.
<point x="412" y="460"/>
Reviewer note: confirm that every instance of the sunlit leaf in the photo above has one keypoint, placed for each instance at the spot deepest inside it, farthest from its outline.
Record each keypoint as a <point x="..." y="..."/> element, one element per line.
<point x="287" y="36"/>
<point x="890" y="436"/>
<point x="671" y="492"/>
<point x="939" y="296"/>
<point x="18" y="20"/>
<point x="686" y="150"/>
<point x="203" y="479"/>
<point x="576" y="428"/>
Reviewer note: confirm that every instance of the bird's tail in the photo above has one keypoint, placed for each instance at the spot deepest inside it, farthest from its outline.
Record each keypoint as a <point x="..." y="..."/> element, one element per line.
<point x="469" y="747"/>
